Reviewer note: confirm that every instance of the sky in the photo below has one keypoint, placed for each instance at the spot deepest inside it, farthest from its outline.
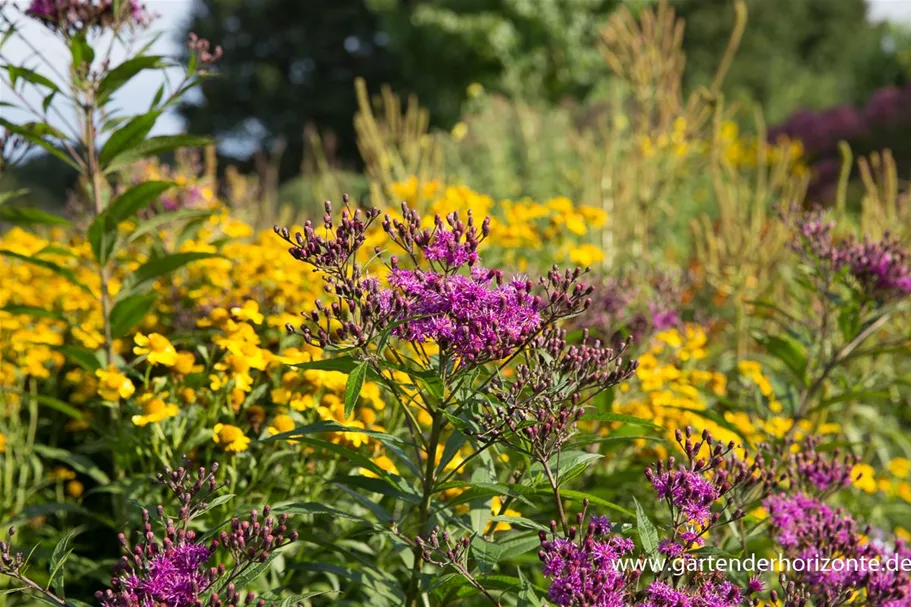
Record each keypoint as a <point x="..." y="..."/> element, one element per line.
<point x="136" y="96"/>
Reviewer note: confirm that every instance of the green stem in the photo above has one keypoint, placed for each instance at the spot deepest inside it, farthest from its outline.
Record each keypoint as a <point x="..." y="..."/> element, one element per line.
<point x="436" y="432"/>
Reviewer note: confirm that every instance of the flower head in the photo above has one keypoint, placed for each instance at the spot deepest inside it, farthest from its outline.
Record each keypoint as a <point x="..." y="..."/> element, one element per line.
<point x="154" y="410"/>
<point x="230" y="438"/>
<point x="157" y="348"/>
<point x="113" y="385"/>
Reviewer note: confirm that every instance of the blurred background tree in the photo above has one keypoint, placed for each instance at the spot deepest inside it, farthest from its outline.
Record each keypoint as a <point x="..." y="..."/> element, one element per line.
<point x="804" y="54"/>
<point x="293" y="62"/>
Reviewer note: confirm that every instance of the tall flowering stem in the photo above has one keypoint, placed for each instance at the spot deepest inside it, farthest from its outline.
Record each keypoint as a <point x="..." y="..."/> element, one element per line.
<point x="434" y="313"/>
<point x="854" y="285"/>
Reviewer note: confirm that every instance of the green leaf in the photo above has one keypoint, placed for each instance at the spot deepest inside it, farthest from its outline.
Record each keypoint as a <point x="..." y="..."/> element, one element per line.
<point x="102" y="235"/>
<point x="791" y="353"/>
<point x="32" y="77"/>
<point x="127" y="137"/>
<point x="321" y="427"/>
<point x="152" y="269"/>
<point x="311" y="508"/>
<point x="35" y="133"/>
<point x="48" y="265"/>
<point x="12" y="194"/>
<point x="621" y="418"/>
<point x="344" y="364"/>
<point x="648" y="535"/>
<point x="128" y="312"/>
<point x="252" y="572"/>
<point x="593" y="499"/>
<point x="137" y="198"/>
<point x="82" y="357"/>
<point x="123" y="73"/>
<point x="221" y="499"/>
<point x="30" y="217"/>
<point x="353" y="387"/>
<point x="15" y="309"/>
<point x="49" y="401"/>
<point x="163" y="219"/>
<point x="61" y="553"/>
<point x="81" y="51"/>
<point x="77" y="462"/>
<point x="156" y="145"/>
<point x="527" y="596"/>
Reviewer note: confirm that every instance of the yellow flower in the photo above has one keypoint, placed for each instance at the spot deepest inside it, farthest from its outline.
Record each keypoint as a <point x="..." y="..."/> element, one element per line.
<point x="281" y="424"/>
<point x="184" y="363"/>
<point x="586" y="255"/>
<point x="900" y="467"/>
<point x="495" y="506"/>
<point x="75" y="489"/>
<point x="864" y="478"/>
<point x="475" y="89"/>
<point x="157" y="348"/>
<point x="459" y="131"/>
<point x="249" y="311"/>
<point x="302" y="402"/>
<point x="62" y="473"/>
<point x="113" y="385"/>
<point x="2" y="443"/>
<point x="230" y="438"/>
<point x="154" y="410"/>
<point x="384" y="463"/>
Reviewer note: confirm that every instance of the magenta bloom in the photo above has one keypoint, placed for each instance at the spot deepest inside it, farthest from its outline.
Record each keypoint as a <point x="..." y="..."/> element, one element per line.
<point x="688" y="491"/>
<point x="584" y="572"/>
<point x="709" y="594"/>
<point x="174" y="576"/>
<point x="480" y="318"/>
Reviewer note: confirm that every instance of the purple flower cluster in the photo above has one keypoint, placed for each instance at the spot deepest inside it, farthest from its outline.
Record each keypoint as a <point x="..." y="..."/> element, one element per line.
<point x="811" y="531"/>
<point x="174" y="577"/>
<point x="820" y="472"/>
<point x="882" y="269"/>
<point x="712" y="591"/>
<point x="584" y="572"/>
<point x="437" y="292"/>
<point x="174" y="571"/>
<point x="478" y="317"/>
<point x="633" y="305"/>
<point x="75" y="15"/>
<point x="710" y="473"/>
<point x="868" y="128"/>
<point x="583" y="569"/>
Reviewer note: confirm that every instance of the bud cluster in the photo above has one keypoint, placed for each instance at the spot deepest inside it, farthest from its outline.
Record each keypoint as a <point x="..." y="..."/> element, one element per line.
<point x="540" y="404"/>
<point x="881" y="269"/>
<point x="692" y="488"/>
<point x="72" y="16"/>
<point x="175" y="570"/>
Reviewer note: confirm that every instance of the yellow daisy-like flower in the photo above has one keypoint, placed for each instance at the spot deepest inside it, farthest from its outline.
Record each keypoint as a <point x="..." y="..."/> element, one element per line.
<point x="154" y="410"/>
<point x="75" y="489"/>
<point x="281" y="424"/>
<point x="184" y="363"/>
<point x="230" y="438"/>
<point x="864" y="478"/>
<point x="157" y="348"/>
<point x="495" y="506"/>
<point x="249" y="311"/>
<point x="113" y="385"/>
<point x="900" y="467"/>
